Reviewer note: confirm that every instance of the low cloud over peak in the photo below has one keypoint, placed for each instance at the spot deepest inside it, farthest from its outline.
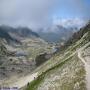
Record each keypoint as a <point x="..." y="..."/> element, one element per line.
<point x="39" y="13"/>
<point x="70" y="22"/>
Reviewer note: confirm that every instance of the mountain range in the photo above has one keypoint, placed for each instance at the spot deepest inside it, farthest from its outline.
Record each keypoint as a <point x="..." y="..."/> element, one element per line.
<point x="15" y="34"/>
<point x="62" y="70"/>
<point x="54" y="33"/>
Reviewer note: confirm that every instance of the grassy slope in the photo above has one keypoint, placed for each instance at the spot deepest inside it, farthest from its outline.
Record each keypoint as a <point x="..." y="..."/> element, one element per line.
<point x="66" y="66"/>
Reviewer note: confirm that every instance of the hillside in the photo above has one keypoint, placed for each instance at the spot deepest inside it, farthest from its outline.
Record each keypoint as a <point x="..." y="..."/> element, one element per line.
<point x="19" y="60"/>
<point x="5" y="35"/>
<point x="69" y="68"/>
<point x="16" y="34"/>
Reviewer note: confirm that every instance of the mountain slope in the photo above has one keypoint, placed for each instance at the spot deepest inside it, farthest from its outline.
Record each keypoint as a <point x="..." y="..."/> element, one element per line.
<point x="5" y="35"/>
<point x="16" y="34"/>
<point x="18" y="60"/>
<point x="65" y="70"/>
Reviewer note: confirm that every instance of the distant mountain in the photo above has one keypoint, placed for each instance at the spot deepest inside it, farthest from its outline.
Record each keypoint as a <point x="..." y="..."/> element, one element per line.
<point x="57" y="33"/>
<point x="15" y="34"/>
<point x="4" y="34"/>
<point x="26" y="32"/>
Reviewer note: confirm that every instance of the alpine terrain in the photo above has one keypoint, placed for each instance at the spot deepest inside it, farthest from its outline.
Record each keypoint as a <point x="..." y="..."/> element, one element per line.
<point x="69" y="68"/>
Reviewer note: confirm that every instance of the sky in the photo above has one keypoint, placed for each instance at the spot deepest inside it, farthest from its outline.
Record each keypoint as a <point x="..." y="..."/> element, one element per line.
<point x="43" y="13"/>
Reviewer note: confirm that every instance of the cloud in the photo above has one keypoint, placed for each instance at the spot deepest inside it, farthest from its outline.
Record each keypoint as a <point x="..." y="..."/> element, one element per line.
<point x="25" y="12"/>
<point x="39" y="13"/>
<point x="70" y="22"/>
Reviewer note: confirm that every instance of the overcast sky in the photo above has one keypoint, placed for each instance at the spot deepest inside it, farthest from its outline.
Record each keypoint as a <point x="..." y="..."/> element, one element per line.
<point x="42" y="13"/>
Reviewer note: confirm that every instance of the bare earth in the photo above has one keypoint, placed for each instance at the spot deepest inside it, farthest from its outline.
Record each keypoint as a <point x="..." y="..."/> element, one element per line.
<point x="24" y="80"/>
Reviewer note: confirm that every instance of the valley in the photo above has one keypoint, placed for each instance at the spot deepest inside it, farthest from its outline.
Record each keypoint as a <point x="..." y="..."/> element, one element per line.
<point x="19" y="59"/>
<point x="44" y="44"/>
<point x="30" y="63"/>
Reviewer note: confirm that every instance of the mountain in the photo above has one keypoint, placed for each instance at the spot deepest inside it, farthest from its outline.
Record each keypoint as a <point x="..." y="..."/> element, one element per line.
<point x="5" y="35"/>
<point x="57" y="33"/>
<point x="15" y="34"/>
<point x="68" y="69"/>
<point x="26" y="32"/>
<point x="18" y="60"/>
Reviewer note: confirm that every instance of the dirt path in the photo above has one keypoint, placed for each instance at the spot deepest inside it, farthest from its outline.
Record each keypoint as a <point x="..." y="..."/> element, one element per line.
<point x="87" y="66"/>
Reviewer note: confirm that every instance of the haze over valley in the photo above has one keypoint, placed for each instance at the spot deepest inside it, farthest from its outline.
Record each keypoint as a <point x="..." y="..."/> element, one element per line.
<point x="44" y="45"/>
